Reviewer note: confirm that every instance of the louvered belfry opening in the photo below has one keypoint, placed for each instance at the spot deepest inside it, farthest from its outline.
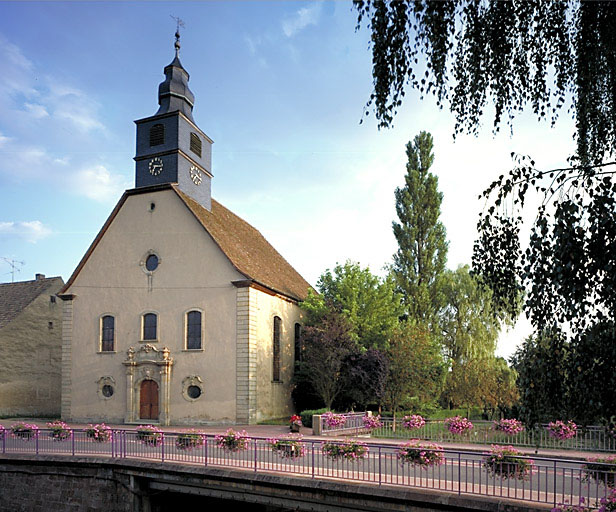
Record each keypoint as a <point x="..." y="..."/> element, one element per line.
<point x="157" y="135"/>
<point x="195" y="144"/>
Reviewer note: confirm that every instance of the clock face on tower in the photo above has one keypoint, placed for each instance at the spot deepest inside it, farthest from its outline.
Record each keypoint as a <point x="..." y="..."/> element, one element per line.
<point x="195" y="175"/>
<point x="155" y="166"/>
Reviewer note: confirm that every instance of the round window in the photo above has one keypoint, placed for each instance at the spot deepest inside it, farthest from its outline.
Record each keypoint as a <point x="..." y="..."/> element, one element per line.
<point x="107" y="391"/>
<point x="193" y="392"/>
<point x="151" y="263"/>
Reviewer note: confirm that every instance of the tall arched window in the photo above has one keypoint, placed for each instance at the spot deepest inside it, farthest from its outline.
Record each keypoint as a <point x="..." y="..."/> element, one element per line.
<point x="193" y="330"/>
<point x="107" y="333"/>
<point x="157" y="135"/>
<point x="276" y="350"/>
<point x="298" y="347"/>
<point x="149" y="326"/>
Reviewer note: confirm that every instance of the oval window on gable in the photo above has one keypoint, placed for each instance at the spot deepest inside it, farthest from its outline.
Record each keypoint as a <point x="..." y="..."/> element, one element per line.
<point x="157" y="135"/>
<point x="151" y="263"/>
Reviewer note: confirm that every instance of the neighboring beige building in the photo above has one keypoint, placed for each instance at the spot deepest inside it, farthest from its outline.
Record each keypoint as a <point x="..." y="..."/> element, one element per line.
<point x="180" y="312"/>
<point x="30" y="347"/>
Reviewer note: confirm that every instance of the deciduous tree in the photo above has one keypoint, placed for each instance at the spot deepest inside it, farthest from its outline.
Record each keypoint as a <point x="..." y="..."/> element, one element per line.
<point x="415" y="366"/>
<point x="326" y="346"/>
<point x="369" y="303"/>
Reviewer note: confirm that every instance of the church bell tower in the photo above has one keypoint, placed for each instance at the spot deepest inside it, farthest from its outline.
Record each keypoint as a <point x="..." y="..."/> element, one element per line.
<point x="171" y="148"/>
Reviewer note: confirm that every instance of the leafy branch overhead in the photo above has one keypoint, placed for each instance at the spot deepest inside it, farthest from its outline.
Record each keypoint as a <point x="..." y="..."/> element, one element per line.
<point x="545" y="55"/>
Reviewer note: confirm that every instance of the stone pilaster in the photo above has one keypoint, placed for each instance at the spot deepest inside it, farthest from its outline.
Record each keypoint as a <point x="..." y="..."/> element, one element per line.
<point x="246" y="356"/>
<point x="67" y="360"/>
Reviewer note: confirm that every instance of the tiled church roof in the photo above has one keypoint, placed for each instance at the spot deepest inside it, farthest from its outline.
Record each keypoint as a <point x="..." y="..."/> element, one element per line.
<point x="247" y="250"/>
<point x="15" y="297"/>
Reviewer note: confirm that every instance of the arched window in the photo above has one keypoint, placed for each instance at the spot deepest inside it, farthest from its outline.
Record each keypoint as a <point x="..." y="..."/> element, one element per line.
<point x="157" y="135"/>
<point x="149" y="326"/>
<point x="276" y="350"/>
<point x="107" y="333"/>
<point x="195" y="143"/>
<point x="193" y="330"/>
<point x="298" y="347"/>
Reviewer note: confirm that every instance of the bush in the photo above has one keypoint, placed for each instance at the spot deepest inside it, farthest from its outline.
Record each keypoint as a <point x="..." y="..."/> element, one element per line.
<point x="561" y="430"/>
<point x="424" y="455"/>
<point x="233" y="441"/>
<point x="23" y="430"/>
<point x="349" y="450"/>
<point x="188" y="440"/>
<point x="288" y="447"/>
<point x="99" y="433"/>
<point x="60" y="431"/>
<point x="601" y="469"/>
<point x="307" y="416"/>
<point x="508" y="426"/>
<point x="506" y="462"/>
<point x="149" y="435"/>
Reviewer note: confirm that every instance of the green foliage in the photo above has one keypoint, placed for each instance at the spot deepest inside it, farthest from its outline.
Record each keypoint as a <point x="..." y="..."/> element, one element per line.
<point x="422" y="245"/>
<point x="467" y="323"/>
<point x="415" y="365"/>
<point x="541" y="363"/>
<point x="516" y="54"/>
<point x="308" y="414"/>
<point x="325" y="347"/>
<point x="592" y="374"/>
<point x="369" y="303"/>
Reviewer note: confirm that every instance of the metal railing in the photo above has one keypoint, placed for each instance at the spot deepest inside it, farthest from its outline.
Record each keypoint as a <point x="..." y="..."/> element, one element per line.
<point x="590" y="438"/>
<point x="549" y="481"/>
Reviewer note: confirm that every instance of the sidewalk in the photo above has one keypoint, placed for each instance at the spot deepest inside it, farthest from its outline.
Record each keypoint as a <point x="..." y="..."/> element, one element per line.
<point x="268" y="431"/>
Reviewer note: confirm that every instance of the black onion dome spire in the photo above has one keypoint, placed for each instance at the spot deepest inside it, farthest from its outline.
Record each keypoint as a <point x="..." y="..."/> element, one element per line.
<point x="174" y="93"/>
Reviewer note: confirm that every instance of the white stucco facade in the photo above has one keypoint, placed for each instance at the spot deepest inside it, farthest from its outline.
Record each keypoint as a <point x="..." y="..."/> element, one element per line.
<point x="233" y="368"/>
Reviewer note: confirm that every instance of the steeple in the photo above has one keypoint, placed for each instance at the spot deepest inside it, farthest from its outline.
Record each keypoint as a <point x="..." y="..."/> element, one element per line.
<point x="174" y="93"/>
<point x="171" y="148"/>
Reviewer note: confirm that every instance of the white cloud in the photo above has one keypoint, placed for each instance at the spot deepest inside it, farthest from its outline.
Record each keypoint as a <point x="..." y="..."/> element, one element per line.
<point x="73" y="105"/>
<point x="37" y="111"/>
<point x="301" y="19"/>
<point x="31" y="231"/>
<point x="24" y="88"/>
<point x="98" y="183"/>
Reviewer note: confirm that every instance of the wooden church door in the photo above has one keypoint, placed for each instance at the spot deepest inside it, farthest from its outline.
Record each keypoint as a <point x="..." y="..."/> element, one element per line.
<point x="148" y="400"/>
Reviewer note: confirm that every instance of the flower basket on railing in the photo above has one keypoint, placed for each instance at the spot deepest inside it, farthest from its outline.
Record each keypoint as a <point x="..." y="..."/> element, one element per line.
<point x="332" y="420"/>
<point x="561" y="430"/>
<point x="232" y="441"/>
<point x="412" y="422"/>
<point x="507" y="462"/>
<point x="458" y="425"/>
<point x="424" y="455"/>
<point x="372" y="422"/>
<point x="99" y="433"/>
<point x="349" y="450"/>
<point x="25" y="431"/>
<point x="510" y="427"/>
<point x="189" y="440"/>
<point x="601" y="470"/>
<point x="295" y="423"/>
<point x="288" y="447"/>
<point x="2" y="432"/>
<point x="60" y="431"/>
<point x="149" y="435"/>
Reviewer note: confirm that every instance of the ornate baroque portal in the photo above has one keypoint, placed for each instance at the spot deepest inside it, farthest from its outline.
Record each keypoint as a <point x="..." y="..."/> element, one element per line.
<point x="147" y="364"/>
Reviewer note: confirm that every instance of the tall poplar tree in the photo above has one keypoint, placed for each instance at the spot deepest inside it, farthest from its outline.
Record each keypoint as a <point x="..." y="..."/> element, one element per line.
<point x="422" y="246"/>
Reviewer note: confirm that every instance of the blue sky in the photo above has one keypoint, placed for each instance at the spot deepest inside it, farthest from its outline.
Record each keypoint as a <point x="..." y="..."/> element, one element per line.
<point x="280" y="87"/>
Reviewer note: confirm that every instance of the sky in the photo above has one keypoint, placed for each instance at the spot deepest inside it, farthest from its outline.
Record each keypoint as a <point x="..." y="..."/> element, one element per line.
<point x="281" y="89"/>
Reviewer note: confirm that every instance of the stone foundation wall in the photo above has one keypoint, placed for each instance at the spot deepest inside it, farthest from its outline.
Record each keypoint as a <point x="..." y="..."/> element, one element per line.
<point x="62" y="488"/>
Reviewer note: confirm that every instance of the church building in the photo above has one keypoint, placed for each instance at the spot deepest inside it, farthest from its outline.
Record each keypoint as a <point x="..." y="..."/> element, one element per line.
<point x="180" y="312"/>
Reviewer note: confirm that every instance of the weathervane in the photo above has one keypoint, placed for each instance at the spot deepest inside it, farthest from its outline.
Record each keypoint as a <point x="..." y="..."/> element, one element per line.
<point x="179" y="23"/>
